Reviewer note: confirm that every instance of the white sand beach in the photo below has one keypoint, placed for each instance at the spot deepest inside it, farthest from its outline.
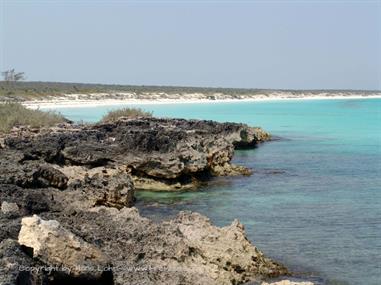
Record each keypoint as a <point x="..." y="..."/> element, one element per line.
<point x="94" y="100"/>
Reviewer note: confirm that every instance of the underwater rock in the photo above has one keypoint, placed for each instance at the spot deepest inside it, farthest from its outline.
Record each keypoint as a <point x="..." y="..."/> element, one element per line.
<point x="288" y="282"/>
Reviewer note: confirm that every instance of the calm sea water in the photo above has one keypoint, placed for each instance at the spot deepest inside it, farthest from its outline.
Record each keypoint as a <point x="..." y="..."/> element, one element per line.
<point x="314" y="200"/>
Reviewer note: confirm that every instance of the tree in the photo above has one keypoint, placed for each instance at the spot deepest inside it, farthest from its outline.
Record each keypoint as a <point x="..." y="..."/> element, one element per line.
<point x="12" y="76"/>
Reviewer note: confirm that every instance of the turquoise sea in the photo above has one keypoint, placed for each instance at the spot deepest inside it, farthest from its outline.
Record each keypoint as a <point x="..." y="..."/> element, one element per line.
<point x="314" y="200"/>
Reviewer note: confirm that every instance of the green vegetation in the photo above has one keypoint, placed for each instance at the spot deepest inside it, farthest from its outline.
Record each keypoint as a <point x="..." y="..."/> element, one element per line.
<point x="22" y="90"/>
<point x="113" y="116"/>
<point x="18" y="91"/>
<point x="14" y="114"/>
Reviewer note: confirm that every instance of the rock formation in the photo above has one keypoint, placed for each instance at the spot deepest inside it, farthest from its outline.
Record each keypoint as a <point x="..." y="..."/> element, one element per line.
<point x="159" y="154"/>
<point x="186" y="250"/>
<point x="80" y="181"/>
<point x="58" y="247"/>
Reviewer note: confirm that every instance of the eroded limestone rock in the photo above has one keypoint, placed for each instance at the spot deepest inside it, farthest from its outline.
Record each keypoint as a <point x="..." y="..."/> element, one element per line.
<point x="56" y="246"/>
<point x="187" y="249"/>
<point x="174" y="152"/>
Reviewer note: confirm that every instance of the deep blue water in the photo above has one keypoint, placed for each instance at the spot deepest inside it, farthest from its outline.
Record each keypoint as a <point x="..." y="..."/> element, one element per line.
<point x="314" y="200"/>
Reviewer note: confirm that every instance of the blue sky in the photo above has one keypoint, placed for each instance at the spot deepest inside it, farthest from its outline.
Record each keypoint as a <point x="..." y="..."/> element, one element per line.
<point x="250" y="44"/>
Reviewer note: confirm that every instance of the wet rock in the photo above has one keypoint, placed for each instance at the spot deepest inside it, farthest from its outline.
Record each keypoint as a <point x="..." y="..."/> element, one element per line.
<point x="287" y="282"/>
<point x="56" y="246"/>
<point x="156" y="184"/>
<point x="228" y="169"/>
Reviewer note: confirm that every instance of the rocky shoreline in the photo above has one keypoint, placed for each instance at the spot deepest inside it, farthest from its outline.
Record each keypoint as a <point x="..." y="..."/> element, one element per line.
<point x="67" y="196"/>
<point x="159" y="154"/>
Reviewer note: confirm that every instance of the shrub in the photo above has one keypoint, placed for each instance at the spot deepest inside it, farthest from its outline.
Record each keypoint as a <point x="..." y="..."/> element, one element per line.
<point x="113" y="116"/>
<point x="14" y="114"/>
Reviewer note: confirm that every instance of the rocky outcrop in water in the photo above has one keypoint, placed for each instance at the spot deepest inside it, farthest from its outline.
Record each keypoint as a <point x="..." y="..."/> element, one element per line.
<point x="159" y="154"/>
<point x="185" y="250"/>
<point x="71" y="234"/>
<point x="80" y="181"/>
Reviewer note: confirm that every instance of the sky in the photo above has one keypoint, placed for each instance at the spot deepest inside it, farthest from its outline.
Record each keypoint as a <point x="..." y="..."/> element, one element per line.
<point x="245" y="44"/>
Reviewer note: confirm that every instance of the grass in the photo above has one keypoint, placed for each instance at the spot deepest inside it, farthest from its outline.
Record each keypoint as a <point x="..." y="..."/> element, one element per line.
<point x="14" y="114"/>
<point x="113" y="116"/>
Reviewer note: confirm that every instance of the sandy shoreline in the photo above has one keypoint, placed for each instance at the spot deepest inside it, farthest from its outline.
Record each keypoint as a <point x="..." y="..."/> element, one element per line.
<point x="70" y="103"/>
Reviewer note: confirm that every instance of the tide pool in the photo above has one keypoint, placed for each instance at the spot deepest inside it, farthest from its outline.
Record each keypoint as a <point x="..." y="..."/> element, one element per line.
<point x="314" y="200"/>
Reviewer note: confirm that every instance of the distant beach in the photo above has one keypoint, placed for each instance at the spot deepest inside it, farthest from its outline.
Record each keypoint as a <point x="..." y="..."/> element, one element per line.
<point x="75" y="100"/>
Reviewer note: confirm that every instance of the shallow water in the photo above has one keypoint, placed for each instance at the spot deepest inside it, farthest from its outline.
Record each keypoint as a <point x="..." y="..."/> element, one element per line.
<point x="314" y="200"/>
